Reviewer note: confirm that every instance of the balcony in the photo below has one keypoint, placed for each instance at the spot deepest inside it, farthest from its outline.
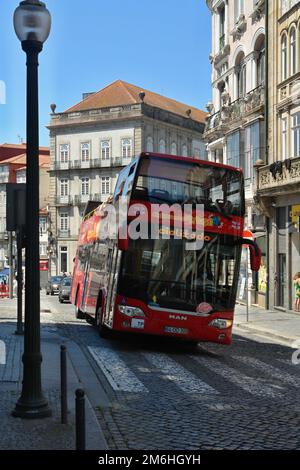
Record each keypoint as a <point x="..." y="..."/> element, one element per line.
<point x="64" y="234"/>
<point x="63" y="200"/>
<point x="239" y="27"/>
<point x="57" y="166"/>
<point x="278" y="177"/>
<point x="224" y="50"/>
<point x="81" y="199"/>
<point x="220" y="122"/>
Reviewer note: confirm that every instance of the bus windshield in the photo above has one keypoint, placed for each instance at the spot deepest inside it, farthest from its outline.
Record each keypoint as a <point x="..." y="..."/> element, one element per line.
<point x="162" y="273"/>
<point x="175" y="181"/>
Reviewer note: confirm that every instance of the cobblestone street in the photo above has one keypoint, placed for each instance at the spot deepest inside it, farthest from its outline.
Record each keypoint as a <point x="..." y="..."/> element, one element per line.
<point x="162" y="394"/>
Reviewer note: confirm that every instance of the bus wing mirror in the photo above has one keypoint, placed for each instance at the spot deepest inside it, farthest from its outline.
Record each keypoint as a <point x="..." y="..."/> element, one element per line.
<point x="255" y="254"/>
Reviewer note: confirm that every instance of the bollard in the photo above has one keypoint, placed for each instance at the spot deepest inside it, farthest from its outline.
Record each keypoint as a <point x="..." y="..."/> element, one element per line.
<point x="63" y="385"/>
<point x="80" y="419"/>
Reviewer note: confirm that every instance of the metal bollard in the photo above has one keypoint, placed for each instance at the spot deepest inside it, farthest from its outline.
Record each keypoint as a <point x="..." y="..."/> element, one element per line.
<point x="63" y="385"/>
<point x="80" y="419"/>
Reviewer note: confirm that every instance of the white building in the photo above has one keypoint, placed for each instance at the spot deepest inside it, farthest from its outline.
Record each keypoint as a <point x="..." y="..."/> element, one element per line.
<point x="235" y="130"/>
<point x="93" y="140"/>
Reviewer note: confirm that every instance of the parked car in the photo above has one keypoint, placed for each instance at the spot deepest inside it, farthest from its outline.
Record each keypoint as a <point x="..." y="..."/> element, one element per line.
<point x="65" y="289"/>
<point x="53" y="285"/>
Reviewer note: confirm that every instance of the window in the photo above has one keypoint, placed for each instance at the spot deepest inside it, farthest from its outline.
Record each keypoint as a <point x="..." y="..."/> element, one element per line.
<point x="233" y="149"/>
<point x="43" y="224"/>
<point x="238" y="9"/>
<point x="85" y="186"/>
<point x="149" y="145"/>
<point x="105" y="185"/>
<point x="284" y="138"/>
<point x="242" y="81"/>
<point x="184" y="150"/>
<point x="222" y="27"/>
<point x="283" y="58"/>
<point x="105" y="149"/>
<point x="63" y="259"/>
<point x="43" y="249"/>
<point x="126" y="148"/>
<point x="252" y="149"/>
<point x="64" y="153"/>
<point x="296" y="134"/>
<point x="174" y="148"/>
<point x="64" y="221"/>
<point x="21" y="176"/>
<point x="85" y="152"/>
<point x="261" y="59"/>
<point x="162" y="146"/>
<point x="64" y="187"/>
<point x="293" y="52"/>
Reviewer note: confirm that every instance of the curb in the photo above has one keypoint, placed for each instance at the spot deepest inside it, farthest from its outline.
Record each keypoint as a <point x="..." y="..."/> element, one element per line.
<point x="266" y="333"/>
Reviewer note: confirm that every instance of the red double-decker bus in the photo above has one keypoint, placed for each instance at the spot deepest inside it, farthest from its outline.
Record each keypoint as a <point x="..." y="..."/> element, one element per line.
<point x="156" y="285"/>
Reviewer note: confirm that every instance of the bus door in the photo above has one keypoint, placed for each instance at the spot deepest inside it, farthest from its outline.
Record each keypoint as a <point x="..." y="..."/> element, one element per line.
<point x="113" y="268"/>
<point x="85" y="283"/>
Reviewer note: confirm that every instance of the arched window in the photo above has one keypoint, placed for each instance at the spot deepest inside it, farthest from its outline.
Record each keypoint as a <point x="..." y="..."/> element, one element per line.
<point x="293" y="52"/>
<point x="242" y="81"/>
<point x="283" y="58"/>
<point x="261" y="61"/>
<point x="174" y="148"/>
<point x="162" y="146"/>
<point x="184" y="150"/>
<point x="149" y="144"/>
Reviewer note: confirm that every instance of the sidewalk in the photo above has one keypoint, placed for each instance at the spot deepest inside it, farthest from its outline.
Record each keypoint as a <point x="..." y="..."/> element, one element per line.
<point x="49" y="433"/>
<point x="274" y="324"/>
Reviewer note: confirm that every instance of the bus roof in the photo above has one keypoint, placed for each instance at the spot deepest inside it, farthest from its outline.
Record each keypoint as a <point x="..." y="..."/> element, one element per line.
<point x="189" y="159"/>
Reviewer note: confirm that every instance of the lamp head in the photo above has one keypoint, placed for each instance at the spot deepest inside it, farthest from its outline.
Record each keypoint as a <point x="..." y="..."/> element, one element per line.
<point x="32" y="21"/>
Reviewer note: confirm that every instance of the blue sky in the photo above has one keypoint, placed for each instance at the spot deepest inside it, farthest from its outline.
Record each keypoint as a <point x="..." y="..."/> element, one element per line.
<point x="159" y="45"/>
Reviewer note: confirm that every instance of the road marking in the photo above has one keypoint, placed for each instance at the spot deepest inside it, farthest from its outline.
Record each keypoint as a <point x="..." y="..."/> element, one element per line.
<point x="118" y="374"/>
<point x="254" y="386"/>
<point x="270" y="370"/>
<point x="171" y="370"/>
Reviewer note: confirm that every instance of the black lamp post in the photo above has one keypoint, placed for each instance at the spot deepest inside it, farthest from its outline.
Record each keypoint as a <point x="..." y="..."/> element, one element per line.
<point x="32" y="22"/>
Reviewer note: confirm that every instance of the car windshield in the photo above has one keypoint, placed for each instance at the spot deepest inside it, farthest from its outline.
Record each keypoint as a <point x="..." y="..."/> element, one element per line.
<point x="175" y="181"/>
<point x="66" y="282"/>
<point x="56" y="279"/>
<point x="162" y="273"/>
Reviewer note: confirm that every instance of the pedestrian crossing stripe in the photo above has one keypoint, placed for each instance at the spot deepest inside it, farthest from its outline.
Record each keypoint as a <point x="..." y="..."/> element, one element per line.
<point x="269" y="370"/>
<point x="118" y="374"/>
<point x="185" y="380"/>
<point x="254" y="386"/>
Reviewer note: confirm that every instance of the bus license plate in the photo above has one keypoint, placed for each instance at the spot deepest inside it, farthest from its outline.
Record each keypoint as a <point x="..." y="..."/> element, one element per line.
<point x="173" y="329"/>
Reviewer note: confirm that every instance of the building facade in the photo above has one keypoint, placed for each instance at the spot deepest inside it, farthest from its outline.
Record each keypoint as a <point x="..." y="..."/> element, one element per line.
<point x="278" y="182"/>
<point x="13" y="170"/>
<point x="93" y="140"/>
<point x="235" y="129"/>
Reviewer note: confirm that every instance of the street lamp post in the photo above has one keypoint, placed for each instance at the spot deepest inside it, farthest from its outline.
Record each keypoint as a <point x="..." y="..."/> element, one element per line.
<point x="32" y="22"/>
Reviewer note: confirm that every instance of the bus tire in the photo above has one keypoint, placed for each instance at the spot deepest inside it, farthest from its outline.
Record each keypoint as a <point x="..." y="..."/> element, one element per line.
<point x="103" y="331"/>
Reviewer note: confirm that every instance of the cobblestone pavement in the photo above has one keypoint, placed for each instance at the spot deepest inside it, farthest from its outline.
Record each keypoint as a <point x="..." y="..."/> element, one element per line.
<point x="169" y="395"/>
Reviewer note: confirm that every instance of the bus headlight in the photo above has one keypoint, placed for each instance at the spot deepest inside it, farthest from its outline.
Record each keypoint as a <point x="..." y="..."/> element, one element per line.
<point x="131" y="311"/>
<point x="220" y="323"/>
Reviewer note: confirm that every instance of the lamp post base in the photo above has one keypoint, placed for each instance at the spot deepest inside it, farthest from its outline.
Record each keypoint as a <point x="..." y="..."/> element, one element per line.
<point x="32" y="410"/>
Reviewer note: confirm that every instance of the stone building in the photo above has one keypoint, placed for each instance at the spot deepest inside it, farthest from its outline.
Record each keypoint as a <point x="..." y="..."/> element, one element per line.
<point x="278" y="182"/>
<point x="93" y="140"/>
<point x="235" y="128"/>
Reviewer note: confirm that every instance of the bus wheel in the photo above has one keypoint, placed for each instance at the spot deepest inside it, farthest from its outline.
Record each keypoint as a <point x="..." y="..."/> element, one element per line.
<point x="79" y="314"/>
<point x="103" y="331"/>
